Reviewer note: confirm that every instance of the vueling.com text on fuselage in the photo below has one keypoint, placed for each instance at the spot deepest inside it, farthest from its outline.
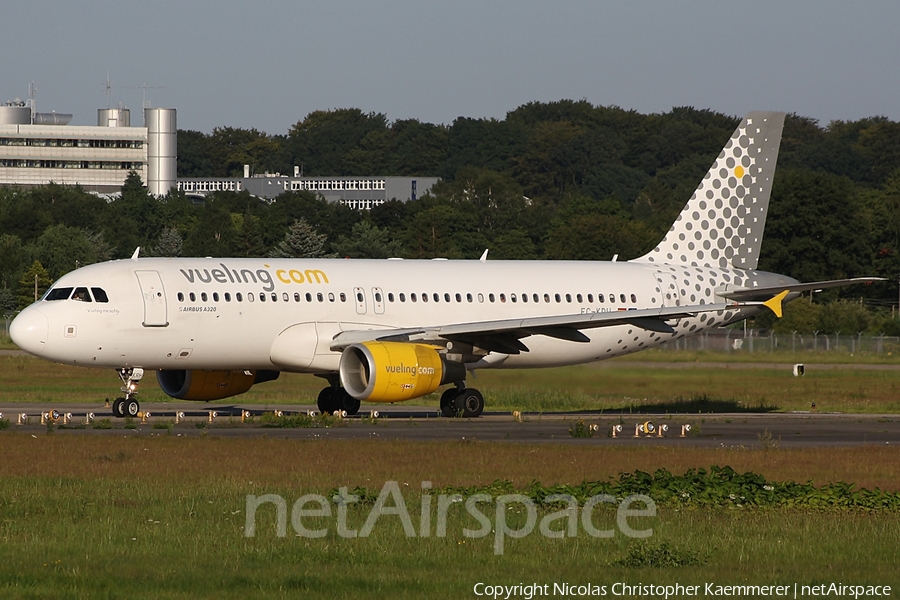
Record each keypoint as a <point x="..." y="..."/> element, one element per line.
<point x="263" y="276"/>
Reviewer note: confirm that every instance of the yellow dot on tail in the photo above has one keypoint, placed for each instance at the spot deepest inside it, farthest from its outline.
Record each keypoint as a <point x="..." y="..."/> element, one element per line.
<point x="739" y="171"/>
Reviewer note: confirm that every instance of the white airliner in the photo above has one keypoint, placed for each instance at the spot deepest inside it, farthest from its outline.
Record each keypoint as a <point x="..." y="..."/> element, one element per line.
<point x="392" y="330"/>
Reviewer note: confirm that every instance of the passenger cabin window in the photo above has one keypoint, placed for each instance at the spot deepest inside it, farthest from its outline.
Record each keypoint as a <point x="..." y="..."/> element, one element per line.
<point x="180" y="297"/>
<point x="634" y="299"/>
<point x="402" y="297"/>
<point x="343" y="297"/>
<point x="239" y="297"/>
<point x="622" y="298"/>
<point x="491" y="297"/>
<point x="81" y="294"/>
<point x="59" y="294"/>
<point x="203" y="296"/>
<point x="192" y="296"/>
<point x="215" y="296"/>
<point x="331" y="296"/>
<point x="227" y="297"/>
<point x="99" y="295"/>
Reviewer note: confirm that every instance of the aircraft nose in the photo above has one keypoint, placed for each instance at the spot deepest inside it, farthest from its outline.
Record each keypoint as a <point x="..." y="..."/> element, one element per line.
<point x="29" y="330"/>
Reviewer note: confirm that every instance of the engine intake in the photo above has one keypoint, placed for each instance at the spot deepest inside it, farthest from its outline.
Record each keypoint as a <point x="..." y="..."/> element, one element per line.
<point x="395" y="371"/>
<point x="209" y="385"/>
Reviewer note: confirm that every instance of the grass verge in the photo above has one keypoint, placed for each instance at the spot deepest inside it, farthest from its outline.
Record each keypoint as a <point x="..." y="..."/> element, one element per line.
<point x="163" y="517"/>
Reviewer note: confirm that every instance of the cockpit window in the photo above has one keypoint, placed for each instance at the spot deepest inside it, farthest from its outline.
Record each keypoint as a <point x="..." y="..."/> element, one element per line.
<point x="99" y="295"/>
<point x="59" y="294"/>
<point x="81" y="294"/>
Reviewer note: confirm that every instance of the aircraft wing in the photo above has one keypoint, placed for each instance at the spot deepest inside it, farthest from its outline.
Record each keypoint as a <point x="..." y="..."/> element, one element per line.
<point x="505" y="335"/>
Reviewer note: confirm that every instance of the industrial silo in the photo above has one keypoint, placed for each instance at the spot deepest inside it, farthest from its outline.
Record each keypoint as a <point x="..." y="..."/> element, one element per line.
<point x="162" y="149"/>
<point x="113" y="117"/>
<point x="15" y="113"/>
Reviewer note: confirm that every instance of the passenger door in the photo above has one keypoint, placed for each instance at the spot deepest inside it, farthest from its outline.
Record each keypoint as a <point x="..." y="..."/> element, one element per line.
<point x="155" y="311"/>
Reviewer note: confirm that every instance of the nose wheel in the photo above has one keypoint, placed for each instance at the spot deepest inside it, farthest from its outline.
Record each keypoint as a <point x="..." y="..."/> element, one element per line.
<point x="128" y="406"/>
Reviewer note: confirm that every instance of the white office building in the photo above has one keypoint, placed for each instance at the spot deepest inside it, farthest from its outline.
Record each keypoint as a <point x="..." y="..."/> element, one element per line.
<point x="40" y="148"/>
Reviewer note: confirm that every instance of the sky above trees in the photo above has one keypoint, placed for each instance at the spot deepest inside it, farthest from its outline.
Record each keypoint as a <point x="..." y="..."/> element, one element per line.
<point x="266" y="65"/>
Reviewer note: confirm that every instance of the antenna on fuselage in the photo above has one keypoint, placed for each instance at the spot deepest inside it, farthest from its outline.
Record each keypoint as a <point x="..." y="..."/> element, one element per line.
<point x="137" y="251"/>
<point x="484" y="256"/>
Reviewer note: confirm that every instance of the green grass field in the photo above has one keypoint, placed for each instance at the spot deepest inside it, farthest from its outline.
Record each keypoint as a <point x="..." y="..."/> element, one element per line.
<point x="163" y="517"/>
<point x="617" y="385"/>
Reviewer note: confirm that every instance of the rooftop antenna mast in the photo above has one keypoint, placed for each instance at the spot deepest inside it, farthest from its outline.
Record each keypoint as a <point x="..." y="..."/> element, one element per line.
<point x="108" y="90"/>
<point x="145" y="87"/>
<point x="32" y="92"/>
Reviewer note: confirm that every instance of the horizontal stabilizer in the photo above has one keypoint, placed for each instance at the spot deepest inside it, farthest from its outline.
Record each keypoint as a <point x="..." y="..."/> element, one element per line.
<point x="765" y="293"/>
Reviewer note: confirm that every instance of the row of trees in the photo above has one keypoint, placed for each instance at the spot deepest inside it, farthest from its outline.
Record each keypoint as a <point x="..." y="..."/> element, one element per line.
<point x="559" y="180"/>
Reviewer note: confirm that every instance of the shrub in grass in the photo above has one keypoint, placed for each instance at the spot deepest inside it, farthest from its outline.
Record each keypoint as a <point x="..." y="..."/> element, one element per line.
<point x="658" y="556"/>
<point x="4" y="424"/>
<point x="581" y="430"/>
<point x="102" y="424"/>
<point x="716" y="487"/>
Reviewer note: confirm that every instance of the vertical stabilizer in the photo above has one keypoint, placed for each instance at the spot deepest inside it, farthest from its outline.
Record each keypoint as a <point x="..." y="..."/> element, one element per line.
<point x="722" y="224"/>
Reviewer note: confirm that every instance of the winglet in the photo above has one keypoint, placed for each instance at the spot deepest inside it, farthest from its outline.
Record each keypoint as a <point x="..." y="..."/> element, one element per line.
<point x="484" y="256"/>
<point x="137" y="251"/>
<point x="774" y="303"/>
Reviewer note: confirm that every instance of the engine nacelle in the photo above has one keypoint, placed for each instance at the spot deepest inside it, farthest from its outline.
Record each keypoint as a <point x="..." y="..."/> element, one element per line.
<point x="210" y="385"/>
<point x="395" y="371"/>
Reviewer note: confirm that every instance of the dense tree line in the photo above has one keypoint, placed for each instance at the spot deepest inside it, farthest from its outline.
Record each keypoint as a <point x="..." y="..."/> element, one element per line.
<point x="558" y="180"/>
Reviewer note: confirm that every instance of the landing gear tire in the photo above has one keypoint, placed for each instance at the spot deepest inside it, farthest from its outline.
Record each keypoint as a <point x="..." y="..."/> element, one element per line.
<point x="131" y="408"/>
<point x="334" y="399"/>
<point x="349" y="404"/>
<point x="470" y="402"/>
<point x="117" y="409"/>
<point x="448" y="406"/>
<point x="326" y="401"/>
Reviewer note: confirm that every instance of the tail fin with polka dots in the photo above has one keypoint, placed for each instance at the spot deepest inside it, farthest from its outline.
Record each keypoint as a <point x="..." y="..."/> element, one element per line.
<point x="722" y="224"/>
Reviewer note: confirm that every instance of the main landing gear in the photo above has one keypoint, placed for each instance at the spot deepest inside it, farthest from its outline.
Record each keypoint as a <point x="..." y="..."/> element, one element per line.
<point x="128" y="406"/>
<point x="335" y="398"/>
<point x="462" y="402"/>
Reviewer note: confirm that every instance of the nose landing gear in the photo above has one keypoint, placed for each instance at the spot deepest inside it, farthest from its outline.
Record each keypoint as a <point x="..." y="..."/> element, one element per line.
<point x="128" y="406"/>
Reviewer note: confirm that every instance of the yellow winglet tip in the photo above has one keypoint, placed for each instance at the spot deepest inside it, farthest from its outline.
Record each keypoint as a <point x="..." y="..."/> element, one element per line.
<point x="774" y="303"/>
